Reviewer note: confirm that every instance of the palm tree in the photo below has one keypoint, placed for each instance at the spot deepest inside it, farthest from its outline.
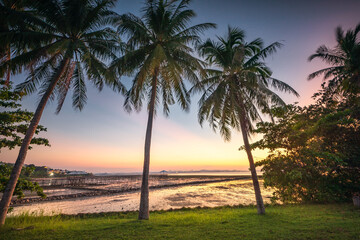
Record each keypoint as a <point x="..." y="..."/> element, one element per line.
<point x="236" y="91"/>
<point x="160" y="57"/>
<point x="344" y="59"/>
<point x="73" y="39"/>
<point x="11" y="17"/>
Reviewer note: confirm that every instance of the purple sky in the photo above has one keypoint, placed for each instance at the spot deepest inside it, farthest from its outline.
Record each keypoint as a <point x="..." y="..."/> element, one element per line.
<point x="103" y="137"/>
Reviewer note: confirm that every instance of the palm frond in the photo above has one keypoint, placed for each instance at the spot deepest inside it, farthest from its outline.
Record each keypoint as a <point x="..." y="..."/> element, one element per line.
<point x="158" y="47"/>
<point x="79" y="88"/>
<point x="236" y="93"/>
<point x="64" y="86"/>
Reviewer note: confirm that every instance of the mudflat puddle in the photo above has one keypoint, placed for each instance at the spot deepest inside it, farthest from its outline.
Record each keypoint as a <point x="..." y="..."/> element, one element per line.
<point x="233" y="192"/>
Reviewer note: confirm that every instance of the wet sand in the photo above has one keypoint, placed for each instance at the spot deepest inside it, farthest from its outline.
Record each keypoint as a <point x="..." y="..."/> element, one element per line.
<point x="115" y="185"/>
<point x="233" y="192"/>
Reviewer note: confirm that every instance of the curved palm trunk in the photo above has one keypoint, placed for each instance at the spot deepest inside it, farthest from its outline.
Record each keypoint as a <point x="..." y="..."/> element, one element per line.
<point x="144" y="198"/>
<point x="259" y="200"/>
<point x="9" y="190"/>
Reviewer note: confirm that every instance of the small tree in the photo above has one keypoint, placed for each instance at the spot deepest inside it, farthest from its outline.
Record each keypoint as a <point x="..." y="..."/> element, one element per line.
<point x="314" y="150"/>
<point x="14" y="121"/>
<point x="13" y="125"/>
<point x="24" y="183"/>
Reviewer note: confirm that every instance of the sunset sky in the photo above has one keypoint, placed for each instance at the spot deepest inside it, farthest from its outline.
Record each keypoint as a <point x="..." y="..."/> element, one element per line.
<point x="105" y="138"/>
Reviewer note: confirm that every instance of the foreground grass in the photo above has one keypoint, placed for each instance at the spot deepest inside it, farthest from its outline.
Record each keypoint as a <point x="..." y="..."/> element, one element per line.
<point x="280" y="222"/>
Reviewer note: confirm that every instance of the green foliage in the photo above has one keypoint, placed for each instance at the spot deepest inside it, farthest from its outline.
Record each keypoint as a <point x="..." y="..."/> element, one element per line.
<point x="39" y="172"/>
<point x="9" y="22"/>
<point x="344" y="58"/>
<point x="239" y="85"/>
<point x="50" y="33"/>
<point x="15" y="121"/>
<point x="281" y="222"/>
<point x="24" y="183"/>
<point x="159" y="53"/>
<point x="314" y="150"/>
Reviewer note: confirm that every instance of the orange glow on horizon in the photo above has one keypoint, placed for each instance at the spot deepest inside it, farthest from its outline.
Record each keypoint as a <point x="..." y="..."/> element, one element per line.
<point x="173" y="148"/>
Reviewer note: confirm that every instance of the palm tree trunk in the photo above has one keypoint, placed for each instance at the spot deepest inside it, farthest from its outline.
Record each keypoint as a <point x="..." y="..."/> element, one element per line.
<point x="144" y="198"/>
<point x="9" y="190"/>
<point x="259" y="200"/>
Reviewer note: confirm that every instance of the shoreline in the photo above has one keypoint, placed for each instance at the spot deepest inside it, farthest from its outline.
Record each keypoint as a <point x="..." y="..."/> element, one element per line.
<point x="106" y="192"/>
<point x="192" y="194"/>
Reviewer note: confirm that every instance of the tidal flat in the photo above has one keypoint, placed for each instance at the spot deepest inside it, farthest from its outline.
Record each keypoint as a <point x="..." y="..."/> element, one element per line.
<point x="165" y="193"/>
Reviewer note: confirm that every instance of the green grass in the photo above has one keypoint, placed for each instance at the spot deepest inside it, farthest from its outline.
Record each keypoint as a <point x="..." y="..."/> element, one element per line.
<point x="340" y="221"/>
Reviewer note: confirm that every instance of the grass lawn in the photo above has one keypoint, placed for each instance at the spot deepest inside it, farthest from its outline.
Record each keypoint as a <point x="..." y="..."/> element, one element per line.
<point x="338" y="221"/>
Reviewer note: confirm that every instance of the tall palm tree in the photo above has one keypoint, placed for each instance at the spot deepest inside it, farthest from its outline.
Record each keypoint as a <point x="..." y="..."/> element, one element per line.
<point x="236" y="90"/>
<point x="160" y="56"/>
<point x="73" y="41"/>
<point x="344" y="59"/>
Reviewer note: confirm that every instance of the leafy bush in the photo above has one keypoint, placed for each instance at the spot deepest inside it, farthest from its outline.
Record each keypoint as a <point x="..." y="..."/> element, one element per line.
<point x="314" y="150"/>
<point x="23" y="183"/>
<point x="15" y="122"/>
